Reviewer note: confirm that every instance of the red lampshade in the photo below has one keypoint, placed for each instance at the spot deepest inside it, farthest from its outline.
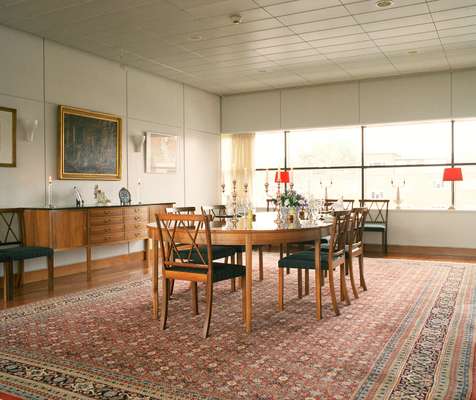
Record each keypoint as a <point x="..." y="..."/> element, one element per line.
<point x="284" y="175"/>
<point x="452" y="174"/>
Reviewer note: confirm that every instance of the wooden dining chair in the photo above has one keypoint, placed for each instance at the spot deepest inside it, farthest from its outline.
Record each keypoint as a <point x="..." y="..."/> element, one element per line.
<point x="355" y="247"/>
<point x="194" y="265"/>
<point x="219" y="252"/>
<point x="12" y="245"/>
<point x="377" y="218"/>
<point x="218" y="213"/>
<point x="348" y="204"/>
<point x="331" y="259"/>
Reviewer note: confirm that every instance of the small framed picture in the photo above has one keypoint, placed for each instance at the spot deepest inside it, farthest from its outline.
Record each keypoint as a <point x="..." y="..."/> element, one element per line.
<point x="161" y="153"/>
<point x="8" y="135"/>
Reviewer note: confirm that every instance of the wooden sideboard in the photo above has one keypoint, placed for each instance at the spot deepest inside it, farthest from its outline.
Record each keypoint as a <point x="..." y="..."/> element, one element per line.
<point x="87" y="227"/>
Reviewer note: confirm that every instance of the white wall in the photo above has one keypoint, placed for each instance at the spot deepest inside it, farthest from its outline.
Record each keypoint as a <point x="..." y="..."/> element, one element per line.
<point x="441" y="95"/>
<point x="37" y="75"/>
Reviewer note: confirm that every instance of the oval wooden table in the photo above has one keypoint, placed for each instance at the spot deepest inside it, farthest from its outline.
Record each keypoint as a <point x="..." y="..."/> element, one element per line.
<point x="264" y="231"/>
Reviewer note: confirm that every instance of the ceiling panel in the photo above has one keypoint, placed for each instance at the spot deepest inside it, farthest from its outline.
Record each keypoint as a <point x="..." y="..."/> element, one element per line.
<point x="278" y="43"/>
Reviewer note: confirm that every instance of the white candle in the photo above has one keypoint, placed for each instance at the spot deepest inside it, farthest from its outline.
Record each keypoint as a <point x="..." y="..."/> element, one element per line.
<point x="267" y="175"/>
<point x="245" y="176"/>
<point x="291" y="176"/>
<point x="279" y="175"/>
<point x="50" y="179"/>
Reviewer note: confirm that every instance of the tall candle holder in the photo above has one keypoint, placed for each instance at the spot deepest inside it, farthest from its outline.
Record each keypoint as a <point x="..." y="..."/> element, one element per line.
<point x="50" y="192"/>
<point x="325" y="188"/>
<point x="234" y="195"/>
<point x="278" y="204"/>
<point x="398" y="199"/>
<point x="139" y="184"/>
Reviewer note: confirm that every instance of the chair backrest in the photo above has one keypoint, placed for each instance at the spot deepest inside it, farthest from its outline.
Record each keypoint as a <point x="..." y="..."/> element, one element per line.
<point x="348" y="203"/>
<point x="356" y="228"/>
<point x="216" y="212"/>
<point x="377" y="210"/>
<point x="11" y="226"/>
<point x="182" y="211"/>
<point x="339" y="232"/>
<point x="178" y="242"/>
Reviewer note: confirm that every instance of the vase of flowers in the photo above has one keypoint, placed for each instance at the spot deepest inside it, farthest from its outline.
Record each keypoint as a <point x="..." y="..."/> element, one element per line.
<point x="293" y="203"/>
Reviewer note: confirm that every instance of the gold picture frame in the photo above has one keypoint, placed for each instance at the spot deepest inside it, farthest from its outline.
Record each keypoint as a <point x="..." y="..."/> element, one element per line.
<point x="89" y="145"/>
<point x="8" y="137"/>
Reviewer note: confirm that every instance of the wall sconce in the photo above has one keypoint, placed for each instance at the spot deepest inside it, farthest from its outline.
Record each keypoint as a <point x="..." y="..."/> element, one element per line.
<point x="30" y="126"/>
<point x="138" y="141"/>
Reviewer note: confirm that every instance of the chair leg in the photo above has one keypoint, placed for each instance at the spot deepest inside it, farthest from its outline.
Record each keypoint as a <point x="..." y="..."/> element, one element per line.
<point x="299" y="283"/>
<point x="344" y="293"/>
<point x="7" y="271"/>
<point x="280" y="289"/>
<point x="243" y="298"/>
<point x="306" y="282"/>
<point x="165" y="301"/>
<point x="361" y="272"/>
<point x="21" y="274"/>
<point x="261" y="269"/>
<point x="350" y="268"/>
<point x="386" y="242"/>
<point x="288" y="270"/>
<point x="171" y="287"/>
<point x="194" y="298"/>
<point x="206" y="325"/>
<point x="232" y="280"/>
<point x="333" y="292"/>
<point x="51" y="272"/>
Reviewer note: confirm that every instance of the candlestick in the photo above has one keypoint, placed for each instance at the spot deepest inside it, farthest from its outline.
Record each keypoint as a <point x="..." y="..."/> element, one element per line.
<point x="278" y="203"/>
<point x="234" y="219"/>
<point x="50" y="192"/>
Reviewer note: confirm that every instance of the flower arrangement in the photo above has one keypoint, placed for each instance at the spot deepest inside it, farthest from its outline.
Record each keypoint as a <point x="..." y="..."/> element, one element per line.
<point x="290" y="198"/>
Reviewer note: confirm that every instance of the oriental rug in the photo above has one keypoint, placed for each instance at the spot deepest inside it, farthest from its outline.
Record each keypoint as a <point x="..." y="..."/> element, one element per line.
<point x="410" y="336"/>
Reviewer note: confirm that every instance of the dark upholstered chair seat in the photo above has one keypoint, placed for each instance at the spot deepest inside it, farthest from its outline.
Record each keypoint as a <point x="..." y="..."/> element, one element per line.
<point x="221" y="271"/>
<point x="374" y="227"/>
<point x="304" y="260"/>
<point x="25" y="253"/>
<point x="218" y="252"/>
<point x="5" y="257"/>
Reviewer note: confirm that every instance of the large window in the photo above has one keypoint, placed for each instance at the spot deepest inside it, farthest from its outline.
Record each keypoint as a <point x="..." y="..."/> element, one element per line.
<point x="373" y="162"/>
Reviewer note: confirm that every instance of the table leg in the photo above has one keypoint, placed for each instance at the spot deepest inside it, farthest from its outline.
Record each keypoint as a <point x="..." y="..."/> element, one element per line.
<point x="155" y="281"/>
<point x="317" y="277"/>
<point x="249" y="283"/>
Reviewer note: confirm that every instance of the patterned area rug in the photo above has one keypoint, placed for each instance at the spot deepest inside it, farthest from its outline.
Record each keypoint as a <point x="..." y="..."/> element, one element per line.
<point x="410" y="336"/>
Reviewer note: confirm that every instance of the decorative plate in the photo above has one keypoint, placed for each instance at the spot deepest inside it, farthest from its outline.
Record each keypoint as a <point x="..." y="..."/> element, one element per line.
<point x="124" y="196"/>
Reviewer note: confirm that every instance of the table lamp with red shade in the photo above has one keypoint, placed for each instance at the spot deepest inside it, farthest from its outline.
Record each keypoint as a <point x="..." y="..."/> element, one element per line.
<point x="452" y="175"/>
<point x="281" y="176"/>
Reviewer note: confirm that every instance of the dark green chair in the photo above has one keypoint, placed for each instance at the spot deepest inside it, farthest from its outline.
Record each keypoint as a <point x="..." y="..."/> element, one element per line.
<point x="174" y="231"/>
<point x="331" y="259"/>
<point x="377" y="218"/>
<point x="13" y="225"/>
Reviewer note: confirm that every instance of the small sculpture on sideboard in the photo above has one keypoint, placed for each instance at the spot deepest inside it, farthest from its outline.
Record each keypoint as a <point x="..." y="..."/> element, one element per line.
<point x="79" y="197"/>
<point x="100" y="196"/>
<point x="124" y="197"/>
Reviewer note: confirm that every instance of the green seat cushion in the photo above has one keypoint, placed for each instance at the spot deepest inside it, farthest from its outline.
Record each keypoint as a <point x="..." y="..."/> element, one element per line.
<point x="374" y="227"/>
<point x="221" y="271"/>
<point x="4" y="256"/>
<point x="218" y="252"/>
<point x="25" y="253"/>
<point x="304" y="260"/>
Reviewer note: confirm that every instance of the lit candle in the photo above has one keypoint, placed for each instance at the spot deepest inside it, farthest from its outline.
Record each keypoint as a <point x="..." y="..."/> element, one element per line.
<point x="50" y="179"/>
<point x="279" y="175"/>
<point x="267" y="175"/>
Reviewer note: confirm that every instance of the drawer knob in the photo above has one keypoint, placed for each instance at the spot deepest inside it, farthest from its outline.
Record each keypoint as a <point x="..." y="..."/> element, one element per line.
<point x="137" y="218"/>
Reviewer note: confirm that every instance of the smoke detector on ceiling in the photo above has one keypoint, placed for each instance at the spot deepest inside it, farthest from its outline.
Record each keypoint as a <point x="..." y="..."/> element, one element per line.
<point x="236" y="19"/>
<point x="384" y="3"/>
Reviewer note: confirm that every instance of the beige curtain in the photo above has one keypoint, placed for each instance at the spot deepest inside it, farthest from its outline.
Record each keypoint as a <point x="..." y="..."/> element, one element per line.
<point x="238" y="163"/>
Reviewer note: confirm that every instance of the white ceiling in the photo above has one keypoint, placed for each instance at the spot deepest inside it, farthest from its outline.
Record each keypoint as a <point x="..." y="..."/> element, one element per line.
<point x="280" y="43"/>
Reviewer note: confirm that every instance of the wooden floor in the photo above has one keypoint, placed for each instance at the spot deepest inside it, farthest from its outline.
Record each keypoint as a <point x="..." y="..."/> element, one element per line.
<point x="136" y="270"/>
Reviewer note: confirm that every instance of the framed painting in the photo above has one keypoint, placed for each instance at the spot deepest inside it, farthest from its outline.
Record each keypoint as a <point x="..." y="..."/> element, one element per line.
<point x="89" y="145"/>
<point x="8" y="137"/>
<point x="160" y="153"/>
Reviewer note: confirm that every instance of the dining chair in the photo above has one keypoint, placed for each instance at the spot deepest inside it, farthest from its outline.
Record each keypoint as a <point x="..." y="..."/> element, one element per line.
<point x="218" y="213"/>
<point x="219" y="252"/>
<point x="12" y="246"/>
<point x="331" y="259"/>
<point x="348" y="204"/>
<point x="194" y="265"/>
<point x="377" y="218"/>
<point x="355" y="247"/>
